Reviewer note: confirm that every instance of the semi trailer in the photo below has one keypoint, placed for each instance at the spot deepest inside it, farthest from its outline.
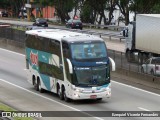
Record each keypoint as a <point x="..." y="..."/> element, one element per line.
<point x="143" y="37"/>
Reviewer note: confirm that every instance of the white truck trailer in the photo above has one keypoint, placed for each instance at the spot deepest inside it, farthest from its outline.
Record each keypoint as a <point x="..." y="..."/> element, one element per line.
<point x="143" y="37"/>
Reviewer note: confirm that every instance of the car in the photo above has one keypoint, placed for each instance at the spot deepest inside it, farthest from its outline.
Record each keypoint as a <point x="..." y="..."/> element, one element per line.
<point x="40" y="22"/>
<point x="4" y="14"/>
<point x="151" y="66"/>
<point x="74" y="24"/>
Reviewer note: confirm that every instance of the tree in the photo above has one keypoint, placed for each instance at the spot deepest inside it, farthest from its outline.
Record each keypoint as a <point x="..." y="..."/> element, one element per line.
<point x="94" y="11"/>
<point x="62" y="7"/>
<point x="144" y="6"/>
<point x="124" y="8"/>
<point x="12" y="5"/>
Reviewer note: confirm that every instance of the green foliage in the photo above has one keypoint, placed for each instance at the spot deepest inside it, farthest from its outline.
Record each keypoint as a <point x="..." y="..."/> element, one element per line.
<point x="4" y="4"/>
<point x="145" y="6"/>
<point x="156" y="9"/>
<point x="91" y="11"/>
<point x="4" y="107"/>
<point x="86" y="13"/>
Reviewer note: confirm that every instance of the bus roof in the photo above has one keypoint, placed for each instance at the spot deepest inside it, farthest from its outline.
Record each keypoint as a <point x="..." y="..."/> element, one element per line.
<point x="59" y="34"/>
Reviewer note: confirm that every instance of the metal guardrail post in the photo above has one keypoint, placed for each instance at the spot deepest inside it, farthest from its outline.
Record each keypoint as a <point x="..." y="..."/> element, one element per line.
<point x="121" y="59"/>
<point x="114" y="55"/>
<point x="120" y="39"/>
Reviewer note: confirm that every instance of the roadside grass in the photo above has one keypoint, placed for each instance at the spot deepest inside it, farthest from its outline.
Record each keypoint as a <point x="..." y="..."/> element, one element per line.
<point x="4" y="107"/>
<point x="19" y="28"/>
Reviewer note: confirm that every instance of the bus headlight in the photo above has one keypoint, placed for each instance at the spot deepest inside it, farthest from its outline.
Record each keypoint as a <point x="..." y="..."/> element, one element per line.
<point x="79" y="90"/>
<point x="73" y="87"/>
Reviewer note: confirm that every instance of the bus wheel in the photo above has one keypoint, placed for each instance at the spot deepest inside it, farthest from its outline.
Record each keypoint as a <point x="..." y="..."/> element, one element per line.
<point x="65" y="97"/>
<point x="36" y="85"/>
<point x="60" y="94"/>
<point x="41" y="90"/>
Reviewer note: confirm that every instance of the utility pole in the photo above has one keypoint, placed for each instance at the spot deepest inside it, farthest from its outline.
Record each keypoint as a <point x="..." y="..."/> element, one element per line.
<point x="28" y="11"/>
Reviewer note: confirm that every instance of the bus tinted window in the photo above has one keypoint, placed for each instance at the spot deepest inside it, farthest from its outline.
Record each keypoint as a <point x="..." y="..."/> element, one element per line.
<point x="51" y="70"/>
<point x="54" y="47"/>
<point x="66" y="55"/>
<point x="66" y="51"/>
<point x="88" y="50"/>
<point x="44" y="44"/>
<point x="36" y="42"/>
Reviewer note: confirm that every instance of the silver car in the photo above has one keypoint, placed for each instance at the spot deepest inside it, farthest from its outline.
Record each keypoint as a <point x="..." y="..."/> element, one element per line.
<point x="151" y="66"/>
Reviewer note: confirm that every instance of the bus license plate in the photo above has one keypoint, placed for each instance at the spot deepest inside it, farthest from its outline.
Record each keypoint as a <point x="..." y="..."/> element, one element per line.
<point x="93" y="96"/>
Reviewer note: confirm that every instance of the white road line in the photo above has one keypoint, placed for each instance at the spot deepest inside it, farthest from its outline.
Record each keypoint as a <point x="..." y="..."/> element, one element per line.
<point x="136" y="88"/>
<point x="144" y="109"/>
<point x="112" y="80"/>
<point x="49" y="99"/>
<point x="12" y="52"/>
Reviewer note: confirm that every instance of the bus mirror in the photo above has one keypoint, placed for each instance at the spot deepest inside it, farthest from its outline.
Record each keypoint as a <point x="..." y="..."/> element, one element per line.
<point x="113" y="64"/>
<point x="70" y="66"/>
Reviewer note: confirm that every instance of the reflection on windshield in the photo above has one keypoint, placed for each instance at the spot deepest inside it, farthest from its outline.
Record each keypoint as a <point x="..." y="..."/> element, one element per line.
<point x="88" y="50"/>
<point x="90" y="75"/>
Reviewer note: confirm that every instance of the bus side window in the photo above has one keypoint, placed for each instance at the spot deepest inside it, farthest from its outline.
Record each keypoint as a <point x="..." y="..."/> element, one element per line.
<point x="65" y="50"/>
<point x="66" y="56"/>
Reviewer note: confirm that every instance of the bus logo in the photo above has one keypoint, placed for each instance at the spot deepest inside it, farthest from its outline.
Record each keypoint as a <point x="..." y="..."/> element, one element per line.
<point x="34" y="58"/>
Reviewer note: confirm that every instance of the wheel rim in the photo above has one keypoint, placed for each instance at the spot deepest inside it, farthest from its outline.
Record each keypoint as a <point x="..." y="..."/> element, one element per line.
<point x="39" y="85"/>
<point x="60" y="94"/>
<point x="65" y="97"/>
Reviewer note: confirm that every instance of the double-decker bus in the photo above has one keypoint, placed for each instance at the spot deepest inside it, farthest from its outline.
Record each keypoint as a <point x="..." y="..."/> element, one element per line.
<point x="73" y="65"/>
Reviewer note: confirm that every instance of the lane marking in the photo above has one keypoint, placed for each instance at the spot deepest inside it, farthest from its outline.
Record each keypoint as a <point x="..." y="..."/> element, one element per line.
<point x="144" y="109"/>
<point x="49" y="99"/>
<point x="136" y="88"/>
<point x="111" y="80"/>
<point x="12" y="52"/>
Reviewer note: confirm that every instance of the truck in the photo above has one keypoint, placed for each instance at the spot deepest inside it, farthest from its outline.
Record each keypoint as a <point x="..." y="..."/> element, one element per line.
<point x="142" y="38"/>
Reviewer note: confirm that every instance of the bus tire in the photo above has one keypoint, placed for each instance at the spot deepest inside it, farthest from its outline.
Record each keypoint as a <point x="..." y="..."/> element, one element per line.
<point x="36" y="86"/>
<point x="65" y="97"/>
<point x="60" y="94"/>
<point x="41" y="90"/>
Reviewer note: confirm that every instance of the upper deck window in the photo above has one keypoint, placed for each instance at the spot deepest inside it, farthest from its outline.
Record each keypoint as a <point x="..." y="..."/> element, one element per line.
<point x="92" y="50"/>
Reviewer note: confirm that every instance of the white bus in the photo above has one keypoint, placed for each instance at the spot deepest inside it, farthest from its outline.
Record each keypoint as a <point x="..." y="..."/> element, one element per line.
<point x="73" y="65"/>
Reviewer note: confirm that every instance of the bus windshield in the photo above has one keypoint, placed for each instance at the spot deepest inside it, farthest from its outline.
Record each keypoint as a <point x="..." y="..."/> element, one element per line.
<point x="91" y="50"/>
<point x="91" y="76"/>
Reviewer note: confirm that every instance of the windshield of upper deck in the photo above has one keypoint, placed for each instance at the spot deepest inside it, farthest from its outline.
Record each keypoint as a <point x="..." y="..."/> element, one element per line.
<point x="91" y="50"/>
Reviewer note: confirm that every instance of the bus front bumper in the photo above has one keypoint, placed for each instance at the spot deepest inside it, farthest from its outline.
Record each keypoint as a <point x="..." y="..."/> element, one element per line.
<point x="92" y="95"/>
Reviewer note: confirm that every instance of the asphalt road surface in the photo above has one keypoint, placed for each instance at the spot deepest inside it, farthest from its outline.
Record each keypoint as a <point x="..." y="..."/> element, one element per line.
<point x="85" y="30"/>
<point x="18" y="93"/>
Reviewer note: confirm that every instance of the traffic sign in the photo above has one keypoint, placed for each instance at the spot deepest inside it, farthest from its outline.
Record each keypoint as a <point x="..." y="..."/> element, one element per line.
<point x="28" y="5"/>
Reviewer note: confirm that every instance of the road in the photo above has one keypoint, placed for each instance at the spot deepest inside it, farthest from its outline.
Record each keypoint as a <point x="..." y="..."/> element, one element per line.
<point x="17" y="92"/>
<point x="103" y="33"/>
<point x="113" y="44"/>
